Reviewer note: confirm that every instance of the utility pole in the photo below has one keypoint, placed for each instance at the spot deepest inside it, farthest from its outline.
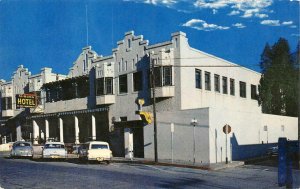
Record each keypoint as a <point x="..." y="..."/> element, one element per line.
<point x="154" y="112"/>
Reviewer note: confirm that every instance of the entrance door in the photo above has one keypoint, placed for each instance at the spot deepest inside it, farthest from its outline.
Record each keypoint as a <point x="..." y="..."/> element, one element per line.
<point x="138" y="142"/>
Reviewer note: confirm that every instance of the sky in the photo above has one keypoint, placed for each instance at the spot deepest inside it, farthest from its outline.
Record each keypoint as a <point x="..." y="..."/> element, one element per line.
<point x="52" y="33"/>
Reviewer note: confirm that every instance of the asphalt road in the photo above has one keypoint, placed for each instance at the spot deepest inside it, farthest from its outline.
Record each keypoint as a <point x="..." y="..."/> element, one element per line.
<point x="24" y="173"/>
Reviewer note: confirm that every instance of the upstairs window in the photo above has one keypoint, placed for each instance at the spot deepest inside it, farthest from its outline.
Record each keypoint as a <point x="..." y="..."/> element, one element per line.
<point x="6" y="103"/>
<point x="167" y="72"/>
<point x="217" y="83"/>
<point x="232" y="88"/>
<point x="129" y="43"/>
<point x="207" y="81"/>
<point x="198" y="79"/>
<point x="253" y="92"/>
<point x="123" y="88"/>
<point x="242" y="89"/>
<point x="163" y="76"/>
<point x="100" y="86"/>
<point x="224" y="82"/>
<point x="108" y="85"/>
<point x="137" y="81"/>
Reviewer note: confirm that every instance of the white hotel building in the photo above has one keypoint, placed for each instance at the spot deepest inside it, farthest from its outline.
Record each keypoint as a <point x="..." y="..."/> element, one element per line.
<point x="98" y="100"/>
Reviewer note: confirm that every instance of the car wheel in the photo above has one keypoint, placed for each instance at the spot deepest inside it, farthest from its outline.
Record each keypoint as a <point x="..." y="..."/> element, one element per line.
<point x="107" y="162"/>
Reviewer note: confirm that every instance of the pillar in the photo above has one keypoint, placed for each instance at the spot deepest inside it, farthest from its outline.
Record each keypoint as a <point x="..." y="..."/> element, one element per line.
<point x="61" y="129"/>
<point x="35" y="132"/>
<point x="19" y="131"/>
<point x="93" y="127"/>
<point x="76" y="130"/>
<point x="47" y="129"/>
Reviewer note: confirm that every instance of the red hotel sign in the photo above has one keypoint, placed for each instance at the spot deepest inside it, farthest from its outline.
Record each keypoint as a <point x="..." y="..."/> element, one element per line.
<point x="26" y="101"/>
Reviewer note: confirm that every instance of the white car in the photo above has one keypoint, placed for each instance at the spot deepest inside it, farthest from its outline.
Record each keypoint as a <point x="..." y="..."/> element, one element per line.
<point x="95" y="151"/>
<point x="54" y="150"/>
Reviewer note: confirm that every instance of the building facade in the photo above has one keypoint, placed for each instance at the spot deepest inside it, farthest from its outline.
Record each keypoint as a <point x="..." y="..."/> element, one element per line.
<point x="109" y="98"/>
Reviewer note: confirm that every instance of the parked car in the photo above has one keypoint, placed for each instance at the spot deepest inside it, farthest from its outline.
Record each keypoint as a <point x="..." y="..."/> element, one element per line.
<point x="95" y="151"/>
<point x="54" y="150"/>
<point x="272" y="151"/>
<point x="21" y="149"/>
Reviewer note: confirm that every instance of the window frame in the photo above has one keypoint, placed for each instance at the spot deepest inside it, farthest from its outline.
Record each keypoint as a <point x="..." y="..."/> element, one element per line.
<point x="207" y="81"/>
<point x="217" y="83"/>
<point x="198" y="78"/>
<point x="123" y="84"/>
<point x="243" y="89"/>
<point x="225" y="85"/>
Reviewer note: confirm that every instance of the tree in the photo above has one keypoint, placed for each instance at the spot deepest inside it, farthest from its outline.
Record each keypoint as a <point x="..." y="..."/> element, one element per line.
<point x="278" y="89"/>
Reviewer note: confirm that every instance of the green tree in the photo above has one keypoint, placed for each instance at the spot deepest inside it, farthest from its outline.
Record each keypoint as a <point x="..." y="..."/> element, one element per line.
<point x="278" y="89"/>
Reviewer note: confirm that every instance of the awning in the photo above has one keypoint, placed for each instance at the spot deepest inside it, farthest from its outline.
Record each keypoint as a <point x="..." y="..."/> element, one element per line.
<point x="129" y="124"/>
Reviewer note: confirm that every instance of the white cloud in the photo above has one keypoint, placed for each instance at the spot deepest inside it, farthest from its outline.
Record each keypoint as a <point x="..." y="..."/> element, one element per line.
<point x="236" y="4"/>
<point x="261" y="15"/>
<point x="234" y="12"/>
<point x="215" y="11"/>
<point x="203" y="25"/>
<point x="293" y="26"/>
<point x="287" y="23"/>
<point x="164" y="2"/>
<point x="156" y="2"/>
<point x="295" y="35"/>
<point x="270" y="22"/>
<point x="239" y="25"/>
<point x="249" y="8"/>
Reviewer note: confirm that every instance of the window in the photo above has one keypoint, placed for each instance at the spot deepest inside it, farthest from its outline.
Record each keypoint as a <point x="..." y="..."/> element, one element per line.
<point x="217" y="83"/>
<point x="232" y="89"/>
<point x="224" y="82"/>
<point x="133" y="64"/>
<point x="125" y="65"/>
<point x="198" y="79"/>
<point x="6" y="103"/>
<point x="100" y="86"/>
<point x="123" y="83"/>
<point x="129" y="43"/>
<point x="163" y="76"/>
<point x="242" y="89"/>
<point x="122" y="64"/>
<point x="109" y="85"/>
<point x="253" y="92"/>
<point x="207" y="81"/>
<point x="137" y="81"/>
<point x="157" y="77"/>
<point x="167" y="71"/>
<point x="282" y="128"/>
<point x="119" y="66"/>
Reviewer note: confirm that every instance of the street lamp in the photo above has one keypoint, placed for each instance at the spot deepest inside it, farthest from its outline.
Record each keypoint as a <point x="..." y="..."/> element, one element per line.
<point x="194" y="123"/>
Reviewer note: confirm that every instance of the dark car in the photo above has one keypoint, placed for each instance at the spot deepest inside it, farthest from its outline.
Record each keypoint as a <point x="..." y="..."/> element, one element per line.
<point x="272" y="151"/>
<point x="21" y="149"/>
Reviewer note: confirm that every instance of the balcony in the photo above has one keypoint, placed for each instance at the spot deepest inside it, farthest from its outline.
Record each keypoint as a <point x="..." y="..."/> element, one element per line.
<point x="164" y="92"/>
<point x="105" y="99"/>
<point x="66" y="105"/>
<point x="7" y="113"/>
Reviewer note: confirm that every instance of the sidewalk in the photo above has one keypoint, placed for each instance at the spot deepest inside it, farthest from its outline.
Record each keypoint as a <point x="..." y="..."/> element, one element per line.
<point x="213" y="166"/>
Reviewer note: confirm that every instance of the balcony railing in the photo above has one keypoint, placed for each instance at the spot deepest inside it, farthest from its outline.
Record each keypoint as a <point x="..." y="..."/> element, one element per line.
<point x="105" y="99"/>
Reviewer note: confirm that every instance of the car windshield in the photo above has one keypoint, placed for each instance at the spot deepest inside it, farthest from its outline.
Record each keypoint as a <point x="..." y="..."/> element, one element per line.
<point x="54" y="146"/>
<point x="99" y="146"/>
<point x="22" y="144"/>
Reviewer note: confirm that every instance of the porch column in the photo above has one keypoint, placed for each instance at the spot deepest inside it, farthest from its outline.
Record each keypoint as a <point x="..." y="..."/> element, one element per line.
<point x="76" y="130"/>
<point x="93" y="127"/>
<point x="128" y="141"/>
<point x="61" y="129"/>
<point x="47" y="129"/>
<point x="35" y="132"/>
<point x="19" y="131"/>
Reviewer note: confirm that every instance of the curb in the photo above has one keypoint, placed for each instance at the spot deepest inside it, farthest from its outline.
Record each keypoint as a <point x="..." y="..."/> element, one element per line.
<point x="203" y="167"/>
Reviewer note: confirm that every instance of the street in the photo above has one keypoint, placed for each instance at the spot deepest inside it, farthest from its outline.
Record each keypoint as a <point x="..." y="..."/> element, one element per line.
<point x="24" y="173"/>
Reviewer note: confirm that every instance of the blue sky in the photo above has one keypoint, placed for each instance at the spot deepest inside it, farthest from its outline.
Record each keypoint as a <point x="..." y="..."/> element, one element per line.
<point x="51" y="33"/>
